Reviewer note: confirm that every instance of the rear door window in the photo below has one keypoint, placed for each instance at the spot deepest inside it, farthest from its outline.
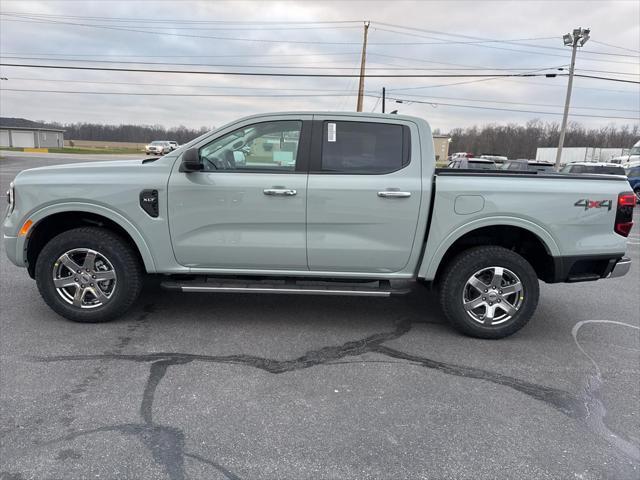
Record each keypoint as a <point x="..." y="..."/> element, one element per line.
<point x="364" y="147"/>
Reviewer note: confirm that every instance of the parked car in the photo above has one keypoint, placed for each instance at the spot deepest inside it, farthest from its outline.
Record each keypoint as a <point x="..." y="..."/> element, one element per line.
<point x="499" y="159"/>
<point x="321" y="199"/>
<point x="473" y="163"/>
<point x="528" y="165"/>
<point x="632" y="156"/>
<point x="593" y="167"/>
<point x="158" y="147"/>
<point x="174" y="145"/>
<point x="633" y="175"/>
<point x="458" y="155"/>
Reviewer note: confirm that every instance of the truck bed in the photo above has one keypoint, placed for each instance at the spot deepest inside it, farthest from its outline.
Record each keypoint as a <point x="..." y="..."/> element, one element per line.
<point x="512" y="173"/>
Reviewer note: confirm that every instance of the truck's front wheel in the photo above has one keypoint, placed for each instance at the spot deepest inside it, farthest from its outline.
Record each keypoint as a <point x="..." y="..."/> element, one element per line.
<point x="88" y="275"/>
<point x="489" y="292"/>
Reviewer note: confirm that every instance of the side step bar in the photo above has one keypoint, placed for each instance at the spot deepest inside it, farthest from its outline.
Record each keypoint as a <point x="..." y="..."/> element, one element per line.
<point x="376" y="288"/>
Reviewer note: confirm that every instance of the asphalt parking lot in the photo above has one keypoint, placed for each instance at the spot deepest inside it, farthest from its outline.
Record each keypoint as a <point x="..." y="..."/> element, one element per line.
<point x="201" y="386"/>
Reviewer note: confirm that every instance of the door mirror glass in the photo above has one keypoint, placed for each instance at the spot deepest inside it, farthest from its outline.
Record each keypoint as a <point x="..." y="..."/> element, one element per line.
<point x="191" y="161"/>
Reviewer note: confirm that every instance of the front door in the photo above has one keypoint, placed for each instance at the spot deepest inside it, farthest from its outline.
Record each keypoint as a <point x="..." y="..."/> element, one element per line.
<point x="246" y="209"/>
<point x="364" y="195"/>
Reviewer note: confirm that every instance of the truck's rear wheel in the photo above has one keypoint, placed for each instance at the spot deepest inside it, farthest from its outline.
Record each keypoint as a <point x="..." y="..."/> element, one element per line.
<point x="489" y="292"/>
<point x="88" y="275"/>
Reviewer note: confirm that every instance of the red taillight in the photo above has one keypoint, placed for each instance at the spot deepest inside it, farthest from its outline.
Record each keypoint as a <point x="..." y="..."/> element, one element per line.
<point x="627" y="200"/>
<point x="624" y="213"/>
<point x="623" y="228"/>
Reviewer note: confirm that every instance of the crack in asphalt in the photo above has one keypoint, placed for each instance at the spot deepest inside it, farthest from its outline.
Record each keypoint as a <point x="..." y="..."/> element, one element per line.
<point x="167" y="443"/>
<point x="596" y="411"/>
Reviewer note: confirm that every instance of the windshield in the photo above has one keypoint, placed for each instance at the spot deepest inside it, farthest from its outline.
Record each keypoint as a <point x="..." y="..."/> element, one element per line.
<point x="156" y="142"/>
<point x="635" y="150"/>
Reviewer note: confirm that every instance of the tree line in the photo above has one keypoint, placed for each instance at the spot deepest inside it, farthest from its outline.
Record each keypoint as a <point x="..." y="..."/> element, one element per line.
<point x="512" y="140"/>
<point x="113" y="133"/>
<point x="521" y="141"/>
<point x="128" y="133"/>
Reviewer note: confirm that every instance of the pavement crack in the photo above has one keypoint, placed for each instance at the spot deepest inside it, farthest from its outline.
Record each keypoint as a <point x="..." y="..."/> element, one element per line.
<point x="167" y="443"/>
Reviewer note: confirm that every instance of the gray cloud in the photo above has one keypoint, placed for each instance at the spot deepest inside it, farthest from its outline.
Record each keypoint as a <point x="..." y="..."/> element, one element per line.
<point x="611" y="22"/>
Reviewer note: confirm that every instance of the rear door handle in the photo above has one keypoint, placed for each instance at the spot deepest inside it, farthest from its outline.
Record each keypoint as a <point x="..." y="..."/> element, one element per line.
<point x="284" y="192"/>
<point x="393" y="194"/>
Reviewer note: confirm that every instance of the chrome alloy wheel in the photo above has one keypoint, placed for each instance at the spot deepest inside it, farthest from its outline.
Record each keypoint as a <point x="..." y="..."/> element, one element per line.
<point x="84" y="278"/>
<point x="492" y="295"/>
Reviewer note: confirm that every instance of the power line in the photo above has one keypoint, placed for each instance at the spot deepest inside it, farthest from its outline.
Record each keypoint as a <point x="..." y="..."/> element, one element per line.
<point x="51" y="54"/>
<point x="396" y="67"/>
<point x="162" y="94"/>
<point x="31" y="19"/>
<point x="28" y="19"/>
<point x="318" y="93"/>
<point x="617" y="46"/>
<point x="179" y="85"/>
<point x="507" y="102"/>
<point x="177" y="20"/>
<point x="513" y="42"/>
<point x="401" y="100"/>
<point x="478" y="107"/>
<point x="278" y="74"/>
<point x="599" y="89"/>
<point x="422" y="60"/>
<point x="595" y="77"/>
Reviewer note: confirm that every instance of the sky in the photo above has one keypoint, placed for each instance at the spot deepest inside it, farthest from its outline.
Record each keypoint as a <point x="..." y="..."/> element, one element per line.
<point x="317" y="37"/>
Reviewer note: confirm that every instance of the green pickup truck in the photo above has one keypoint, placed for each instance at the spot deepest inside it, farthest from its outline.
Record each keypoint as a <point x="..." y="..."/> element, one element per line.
<point x="315" y="203"/>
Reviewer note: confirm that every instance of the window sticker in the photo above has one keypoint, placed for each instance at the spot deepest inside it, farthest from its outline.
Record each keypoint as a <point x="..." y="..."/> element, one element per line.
<point x="331" y="132"/>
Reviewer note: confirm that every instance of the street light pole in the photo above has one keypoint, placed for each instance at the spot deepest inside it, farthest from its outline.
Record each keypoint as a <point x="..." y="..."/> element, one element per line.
<point x="576" y="39"/>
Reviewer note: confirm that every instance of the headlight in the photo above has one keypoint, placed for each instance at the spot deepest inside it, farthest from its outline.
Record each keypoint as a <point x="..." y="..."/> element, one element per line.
<point x="11" y="196"/>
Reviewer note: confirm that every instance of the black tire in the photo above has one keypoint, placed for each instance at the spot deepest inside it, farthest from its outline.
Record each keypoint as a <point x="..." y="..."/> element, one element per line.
<point x="637" y="192"/>
<point x="463" y="267"/>
<point x="115" y="249"/>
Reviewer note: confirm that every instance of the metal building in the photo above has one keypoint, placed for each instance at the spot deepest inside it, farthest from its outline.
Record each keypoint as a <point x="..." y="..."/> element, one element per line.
<point x="31" y="137"/>
<point x="441" y="147"/>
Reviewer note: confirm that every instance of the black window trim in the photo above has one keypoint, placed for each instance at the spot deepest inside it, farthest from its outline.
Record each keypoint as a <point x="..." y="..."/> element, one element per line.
<point x="317" y="137"/>
<point x="302" y="155"/>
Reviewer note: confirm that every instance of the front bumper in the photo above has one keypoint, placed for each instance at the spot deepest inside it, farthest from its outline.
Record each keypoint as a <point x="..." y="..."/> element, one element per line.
<point x="11" y="250"/>
<point x="621" y="268"/>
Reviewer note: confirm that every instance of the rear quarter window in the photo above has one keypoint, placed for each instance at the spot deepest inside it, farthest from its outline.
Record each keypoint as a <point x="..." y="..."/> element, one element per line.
<point x="364" y="147"/>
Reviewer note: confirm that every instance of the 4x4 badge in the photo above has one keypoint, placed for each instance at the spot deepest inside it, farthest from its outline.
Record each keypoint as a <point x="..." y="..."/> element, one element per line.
<point x="587" y="204"/>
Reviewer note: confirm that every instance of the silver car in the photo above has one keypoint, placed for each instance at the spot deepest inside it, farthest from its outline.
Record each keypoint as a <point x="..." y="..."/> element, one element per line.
<point x="158" y="147"/>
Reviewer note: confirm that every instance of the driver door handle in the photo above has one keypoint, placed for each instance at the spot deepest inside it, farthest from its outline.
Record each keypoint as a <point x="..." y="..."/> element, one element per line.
<point x="393" y="194"/>
<point x="284" y="192"/>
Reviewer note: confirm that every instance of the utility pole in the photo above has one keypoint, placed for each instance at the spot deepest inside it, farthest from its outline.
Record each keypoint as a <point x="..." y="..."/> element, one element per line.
<point x="362" y="65"/>
<point x="383" y="98"/>
<point x="576" y="39"/>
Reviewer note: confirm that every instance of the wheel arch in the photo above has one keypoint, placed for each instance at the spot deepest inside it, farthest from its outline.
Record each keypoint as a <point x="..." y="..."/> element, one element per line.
<point x="55" y="219"/>
<point x="528" y="239"/>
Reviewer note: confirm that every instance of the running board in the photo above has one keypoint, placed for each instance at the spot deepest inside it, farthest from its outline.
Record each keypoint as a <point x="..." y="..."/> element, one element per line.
<point x="381" y="288"/>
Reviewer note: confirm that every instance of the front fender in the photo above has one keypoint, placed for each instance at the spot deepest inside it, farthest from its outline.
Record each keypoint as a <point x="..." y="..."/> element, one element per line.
<point x="116" y="217"/>
<point x="431" y="262"/>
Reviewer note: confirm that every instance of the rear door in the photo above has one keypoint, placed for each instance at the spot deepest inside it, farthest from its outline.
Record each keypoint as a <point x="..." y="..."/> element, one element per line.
<point x="364" y="194"/>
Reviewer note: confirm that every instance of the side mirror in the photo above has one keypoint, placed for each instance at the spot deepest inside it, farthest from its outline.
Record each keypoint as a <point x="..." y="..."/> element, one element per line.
<point x="191" y="161"/>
